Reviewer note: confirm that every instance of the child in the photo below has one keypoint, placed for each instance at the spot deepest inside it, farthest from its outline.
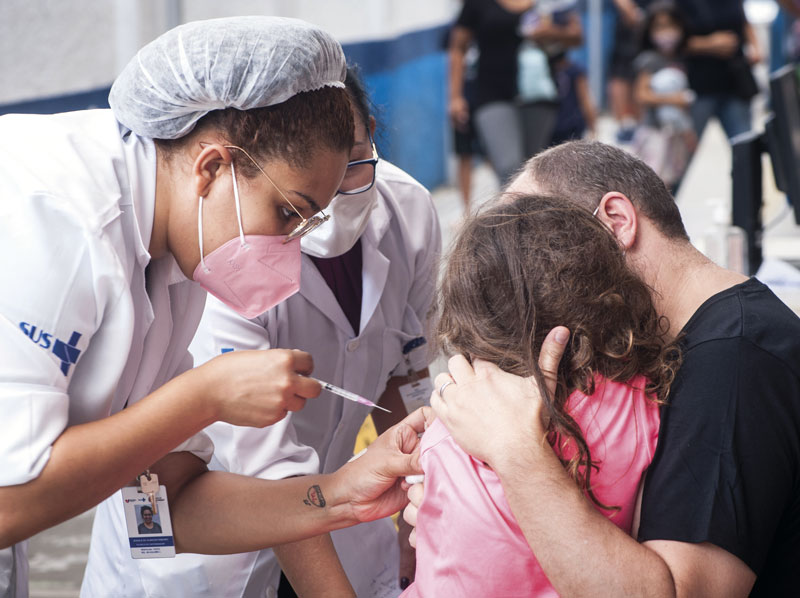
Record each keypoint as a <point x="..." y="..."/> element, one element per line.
<point x="666" y="139"/>
<point x="516" y="271"/>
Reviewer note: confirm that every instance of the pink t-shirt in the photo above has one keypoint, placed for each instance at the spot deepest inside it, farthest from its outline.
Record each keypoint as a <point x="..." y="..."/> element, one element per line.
<point x="468" y="541"/>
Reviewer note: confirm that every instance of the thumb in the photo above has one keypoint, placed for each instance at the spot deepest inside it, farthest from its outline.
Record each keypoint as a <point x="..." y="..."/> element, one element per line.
<point x="553" y="347"/>
<point x="405" y="458"/>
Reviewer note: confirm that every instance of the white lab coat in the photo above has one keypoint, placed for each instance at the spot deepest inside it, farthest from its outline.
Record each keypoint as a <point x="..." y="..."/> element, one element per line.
<point x="80" y="336"/>
<point x="400" y="249"/>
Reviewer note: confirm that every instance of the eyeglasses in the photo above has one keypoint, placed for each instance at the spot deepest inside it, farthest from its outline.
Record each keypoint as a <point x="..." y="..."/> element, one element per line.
<point x="306" y="225"/>
<point x="360" y="174"/>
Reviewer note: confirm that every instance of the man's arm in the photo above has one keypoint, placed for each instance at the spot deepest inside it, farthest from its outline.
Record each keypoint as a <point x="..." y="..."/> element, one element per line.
<point x="460" y="38"/>
<point x="629" y="11"/>
<point x="569" y="35"/>
<point x="720" y="44"/>
<point x="497" y="417"/>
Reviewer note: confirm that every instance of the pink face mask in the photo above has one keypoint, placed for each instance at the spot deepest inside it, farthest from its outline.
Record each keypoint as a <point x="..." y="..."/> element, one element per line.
<point x="251" y="274"/>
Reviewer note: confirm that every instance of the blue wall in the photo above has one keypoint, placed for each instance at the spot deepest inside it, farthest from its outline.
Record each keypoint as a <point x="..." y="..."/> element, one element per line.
<point x="407" y="79"/>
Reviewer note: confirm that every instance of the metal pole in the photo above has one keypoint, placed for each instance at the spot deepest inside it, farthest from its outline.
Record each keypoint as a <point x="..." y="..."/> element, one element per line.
<point x="174" y="16"/>
<point x="127" y="32"/>
<point x="594" y="47"/>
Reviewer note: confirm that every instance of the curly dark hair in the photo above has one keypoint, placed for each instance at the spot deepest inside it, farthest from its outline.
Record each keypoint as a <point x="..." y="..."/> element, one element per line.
<point x="292" y="131"/>
<point x="530" y="263"/>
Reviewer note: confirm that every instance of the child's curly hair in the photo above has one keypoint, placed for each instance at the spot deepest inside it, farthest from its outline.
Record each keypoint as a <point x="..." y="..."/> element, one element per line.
<point x="531" y="263"/>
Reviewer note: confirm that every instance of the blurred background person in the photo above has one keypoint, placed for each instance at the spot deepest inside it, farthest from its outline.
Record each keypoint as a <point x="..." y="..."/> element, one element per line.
<point x="721" y="49"/>
<point x="466" y="144"/>
<point x="786" y="28"/>
<point x="665" y="140"/>
<point x="576" y="114"/>
<point x="626" y="45"/>
<point x="507" y="135"/>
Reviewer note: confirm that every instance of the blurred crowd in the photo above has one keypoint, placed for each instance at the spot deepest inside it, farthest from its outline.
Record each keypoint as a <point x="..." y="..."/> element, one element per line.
<point x="515" y="86"/>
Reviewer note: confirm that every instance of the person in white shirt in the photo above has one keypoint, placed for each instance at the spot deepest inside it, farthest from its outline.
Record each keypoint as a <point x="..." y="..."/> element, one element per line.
<point x="363" y="314"/>
<point x="109" y="220"/>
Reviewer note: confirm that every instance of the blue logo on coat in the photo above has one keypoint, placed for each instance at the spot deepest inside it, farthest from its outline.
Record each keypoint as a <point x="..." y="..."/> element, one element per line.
<point x="68" y="352"/>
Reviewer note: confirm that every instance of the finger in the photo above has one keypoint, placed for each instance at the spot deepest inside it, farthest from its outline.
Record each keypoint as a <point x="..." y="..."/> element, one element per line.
<point x="440" y="380"/>
<point x="302" y="362"/>
<point x="484" y="367"/>
<point x="460" y="369"/>
<point x="416" y="419"/>
<point x="429" y="414"/>
<point x="412" y="537"/>
<point x="410" y="514"/>
<point x="407" y="439"/>
<point x="415" y="495"/>
<point x="550" y="355"/>
<point x="439" y="407"/>
<point x="304" y="387"/>
<point x="295" y="403"/>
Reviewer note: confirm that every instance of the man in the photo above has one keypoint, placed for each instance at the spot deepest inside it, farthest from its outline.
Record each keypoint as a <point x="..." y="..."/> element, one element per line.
<point x="721" y="49"/>
<point x="720" y="513"/>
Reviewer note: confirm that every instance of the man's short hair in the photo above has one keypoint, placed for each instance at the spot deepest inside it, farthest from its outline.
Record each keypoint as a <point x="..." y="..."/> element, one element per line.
<point x="584" y="171"/>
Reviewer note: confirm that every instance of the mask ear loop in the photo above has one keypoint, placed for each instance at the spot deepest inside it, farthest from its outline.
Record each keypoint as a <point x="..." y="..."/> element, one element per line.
<point x="200" y="219"/>
<point x="238" y="206"/>
<point x="200" y="232"/>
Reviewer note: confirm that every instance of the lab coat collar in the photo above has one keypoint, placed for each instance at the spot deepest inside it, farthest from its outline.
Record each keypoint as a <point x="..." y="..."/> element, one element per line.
<point x="140" y="159"/>
<point x="374" y="273"/>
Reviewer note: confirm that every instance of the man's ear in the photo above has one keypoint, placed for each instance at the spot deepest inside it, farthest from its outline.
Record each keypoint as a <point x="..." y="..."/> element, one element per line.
<point x="617" y="212"/>
<point x="206" y="166"/>
<point x="372" y="125"/>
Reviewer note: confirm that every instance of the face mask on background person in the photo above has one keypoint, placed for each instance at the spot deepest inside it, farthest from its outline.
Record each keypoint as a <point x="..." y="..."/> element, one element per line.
<point x="666" y="40"/>
<point x="251" y="273"/>
<point x="350" y="210"/>
<point x="349" y="217"/>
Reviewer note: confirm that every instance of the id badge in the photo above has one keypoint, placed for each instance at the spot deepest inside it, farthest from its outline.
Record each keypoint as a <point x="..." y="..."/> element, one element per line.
<point x="417" y="393"/>
<point x="149" y="530"/>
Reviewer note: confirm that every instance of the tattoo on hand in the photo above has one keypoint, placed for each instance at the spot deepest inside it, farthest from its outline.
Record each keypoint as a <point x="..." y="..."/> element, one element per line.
<point x="314" y="497"/>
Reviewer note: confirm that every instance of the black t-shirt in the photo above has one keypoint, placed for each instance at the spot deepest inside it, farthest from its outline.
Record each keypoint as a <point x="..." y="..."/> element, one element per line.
<point x="495" y="32"/>
<point x="709" y="75"/>
<point x="727" y="465"/>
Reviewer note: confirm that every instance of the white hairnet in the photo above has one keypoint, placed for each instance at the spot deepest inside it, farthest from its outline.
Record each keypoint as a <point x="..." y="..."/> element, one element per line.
<point x="238" y="62"/>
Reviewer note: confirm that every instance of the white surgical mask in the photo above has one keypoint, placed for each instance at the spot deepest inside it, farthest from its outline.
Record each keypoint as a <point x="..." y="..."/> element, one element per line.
<point x="666" y="40"/>
<point x="349" y="217"/>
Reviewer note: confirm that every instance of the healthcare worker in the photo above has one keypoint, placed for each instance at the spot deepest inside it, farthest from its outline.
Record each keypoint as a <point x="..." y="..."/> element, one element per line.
<point x="224" y="139"/>
<point x="362" y="313"/>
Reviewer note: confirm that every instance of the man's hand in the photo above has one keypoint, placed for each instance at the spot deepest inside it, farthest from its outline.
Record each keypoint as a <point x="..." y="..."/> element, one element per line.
<point x="720" y="44"/>
<point x="491" y="413"/>
<point x="459" y="112"/>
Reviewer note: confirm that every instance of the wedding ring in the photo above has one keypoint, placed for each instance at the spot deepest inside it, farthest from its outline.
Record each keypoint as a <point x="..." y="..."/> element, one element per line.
<point x="443" y="386"/>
